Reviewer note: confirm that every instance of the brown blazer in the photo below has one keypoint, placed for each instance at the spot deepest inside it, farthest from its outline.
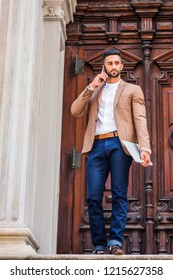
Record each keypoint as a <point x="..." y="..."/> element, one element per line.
<point x="129" y="111"/>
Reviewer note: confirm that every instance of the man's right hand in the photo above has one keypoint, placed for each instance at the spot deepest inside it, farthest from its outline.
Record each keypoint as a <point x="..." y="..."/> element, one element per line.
<point x="99" y="80"/>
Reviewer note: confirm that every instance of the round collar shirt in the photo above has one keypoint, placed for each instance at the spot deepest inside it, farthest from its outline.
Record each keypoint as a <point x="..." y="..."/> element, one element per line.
<point x="106" y="120"/>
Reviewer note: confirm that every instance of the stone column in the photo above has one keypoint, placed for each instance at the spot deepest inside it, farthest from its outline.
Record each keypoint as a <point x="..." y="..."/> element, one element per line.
<point x="32" y="44"/>
<point x="20" y="45"/>
<point x="56" y="14"/>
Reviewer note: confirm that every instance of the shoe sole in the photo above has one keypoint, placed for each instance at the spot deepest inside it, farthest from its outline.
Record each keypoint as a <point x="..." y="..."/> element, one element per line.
<point x="118" y="253"/>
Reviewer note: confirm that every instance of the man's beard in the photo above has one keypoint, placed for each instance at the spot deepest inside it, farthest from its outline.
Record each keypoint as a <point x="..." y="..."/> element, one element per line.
<point x="117" y="74"/>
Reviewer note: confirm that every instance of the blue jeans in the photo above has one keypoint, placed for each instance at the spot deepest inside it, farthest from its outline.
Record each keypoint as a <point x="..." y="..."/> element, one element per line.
<point x="107" y="156"/>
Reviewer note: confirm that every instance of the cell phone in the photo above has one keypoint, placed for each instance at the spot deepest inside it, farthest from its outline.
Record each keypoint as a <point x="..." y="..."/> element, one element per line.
<point x="105" y="70"/>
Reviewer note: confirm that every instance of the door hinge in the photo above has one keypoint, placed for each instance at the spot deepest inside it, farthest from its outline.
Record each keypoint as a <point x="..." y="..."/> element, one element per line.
<point x="78" y="65"/>
<point x="75" y="159"/>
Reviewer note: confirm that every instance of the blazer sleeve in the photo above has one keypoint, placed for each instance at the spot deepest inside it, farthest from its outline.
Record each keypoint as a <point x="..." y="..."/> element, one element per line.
<point x="140" y="120"/>
<point x="81" y="105"/>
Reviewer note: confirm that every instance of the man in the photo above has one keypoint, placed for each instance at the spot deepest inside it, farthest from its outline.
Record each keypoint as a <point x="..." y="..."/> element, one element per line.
<point x="116" y="112"/>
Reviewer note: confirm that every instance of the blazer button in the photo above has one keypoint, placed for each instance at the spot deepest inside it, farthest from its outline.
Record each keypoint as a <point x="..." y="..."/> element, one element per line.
<point x="95" y="120"/>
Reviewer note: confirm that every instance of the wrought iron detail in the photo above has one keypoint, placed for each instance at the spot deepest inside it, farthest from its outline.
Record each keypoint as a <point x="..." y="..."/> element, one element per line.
<point x="78" y="65"/>
<point x="75" y="159"/>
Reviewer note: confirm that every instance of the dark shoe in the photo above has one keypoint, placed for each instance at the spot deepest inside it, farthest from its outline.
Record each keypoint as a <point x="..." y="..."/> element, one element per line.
<point x="116" y="250"/>
<point x="98" y="252"/>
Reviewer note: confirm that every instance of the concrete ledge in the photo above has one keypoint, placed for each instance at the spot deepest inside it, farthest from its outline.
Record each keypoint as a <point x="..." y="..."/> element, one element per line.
<point x="86" y="257"/>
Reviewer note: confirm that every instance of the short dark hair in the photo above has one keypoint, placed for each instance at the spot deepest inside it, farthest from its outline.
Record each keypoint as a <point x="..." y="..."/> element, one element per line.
<point x="111" y="51"/>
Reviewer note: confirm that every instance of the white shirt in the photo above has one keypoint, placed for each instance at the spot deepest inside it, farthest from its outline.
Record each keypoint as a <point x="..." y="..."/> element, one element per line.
<point x="106" y="120"/>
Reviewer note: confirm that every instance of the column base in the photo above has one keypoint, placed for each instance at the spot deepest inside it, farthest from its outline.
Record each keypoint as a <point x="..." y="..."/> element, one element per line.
<point x="17" y="241"/>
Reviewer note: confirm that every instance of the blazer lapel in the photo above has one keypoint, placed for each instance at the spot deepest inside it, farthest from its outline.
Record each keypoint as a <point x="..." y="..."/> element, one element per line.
<point x="119" y="91"/>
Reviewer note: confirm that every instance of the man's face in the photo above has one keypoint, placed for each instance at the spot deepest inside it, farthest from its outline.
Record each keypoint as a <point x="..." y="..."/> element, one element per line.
<point x="113" y="65"/>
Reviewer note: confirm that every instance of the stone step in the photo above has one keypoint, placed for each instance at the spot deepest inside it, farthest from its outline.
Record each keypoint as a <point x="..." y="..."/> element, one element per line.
<point x="86" y="257"/>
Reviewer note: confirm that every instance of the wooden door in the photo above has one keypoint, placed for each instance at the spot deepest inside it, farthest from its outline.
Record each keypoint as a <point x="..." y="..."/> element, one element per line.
<point x="143" y="35"/>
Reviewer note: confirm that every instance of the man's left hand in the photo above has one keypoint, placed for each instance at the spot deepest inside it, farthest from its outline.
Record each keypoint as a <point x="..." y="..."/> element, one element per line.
<point x="145" y="157"/>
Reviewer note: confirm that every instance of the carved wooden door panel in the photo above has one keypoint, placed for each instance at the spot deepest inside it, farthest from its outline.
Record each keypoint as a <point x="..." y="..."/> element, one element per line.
<point x="143" y="35"/>
<point x="162" y="120"/>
